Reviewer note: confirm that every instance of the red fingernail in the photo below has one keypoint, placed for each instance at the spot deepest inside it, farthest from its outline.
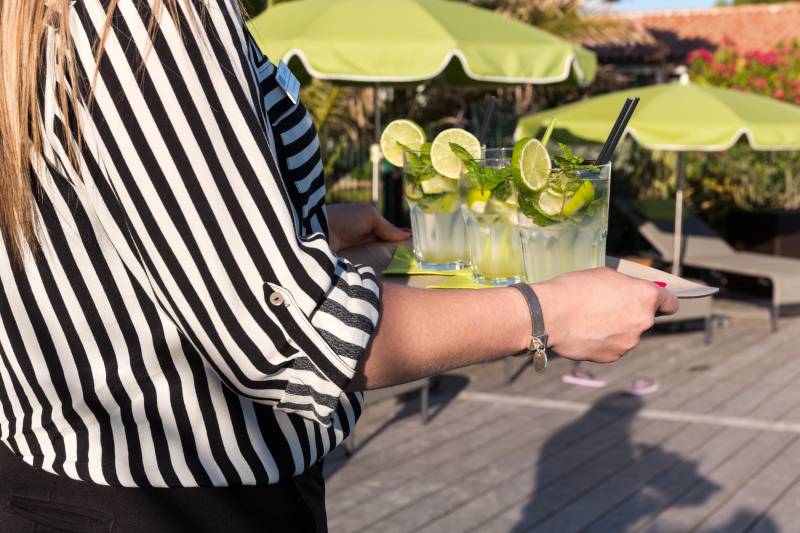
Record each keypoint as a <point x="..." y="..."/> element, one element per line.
<point x="407" y="230"/>
<point x="660" y="283"/>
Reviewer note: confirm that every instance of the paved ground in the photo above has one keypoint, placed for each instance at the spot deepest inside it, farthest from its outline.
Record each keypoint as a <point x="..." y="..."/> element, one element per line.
<point x="716" y="449"/>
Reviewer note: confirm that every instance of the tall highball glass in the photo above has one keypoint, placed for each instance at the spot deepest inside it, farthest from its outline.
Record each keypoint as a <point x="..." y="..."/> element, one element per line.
<point x="436" y="220"/>
<point x="564" y="226"/>
<point x="490" y="211"/>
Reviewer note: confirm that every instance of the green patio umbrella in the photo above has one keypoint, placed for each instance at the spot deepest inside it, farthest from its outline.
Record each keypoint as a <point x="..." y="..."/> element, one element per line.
<point x="410" y="41"/>
<point x="680" y="117"/>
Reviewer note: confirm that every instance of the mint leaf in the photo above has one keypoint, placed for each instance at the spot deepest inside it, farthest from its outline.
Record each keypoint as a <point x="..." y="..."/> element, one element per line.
<point x="502" y="191"/>
<point x="529" y="206"/>
<point x="566" y="151"/>
<point x="489" y="179"/>
<point x="465" y="157"/>
<point x="593" y="206"/>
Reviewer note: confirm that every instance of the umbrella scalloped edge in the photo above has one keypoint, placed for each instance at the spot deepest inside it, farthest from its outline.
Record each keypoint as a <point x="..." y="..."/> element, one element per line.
<point x="571" y="63"/>
<point x="698" y="148"/>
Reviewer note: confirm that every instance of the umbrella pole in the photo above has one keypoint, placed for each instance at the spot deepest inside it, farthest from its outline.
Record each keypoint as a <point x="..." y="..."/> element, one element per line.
<point x="375" y="150"/>
<point x="678" y="232"/>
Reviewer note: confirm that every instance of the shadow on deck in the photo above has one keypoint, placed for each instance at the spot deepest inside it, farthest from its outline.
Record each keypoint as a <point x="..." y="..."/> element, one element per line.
<point x="717" y="449"/>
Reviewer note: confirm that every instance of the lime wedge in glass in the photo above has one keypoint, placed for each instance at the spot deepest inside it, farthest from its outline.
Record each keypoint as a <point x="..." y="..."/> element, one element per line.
<point x="549" y="204"/>
<point x="438" y="184"/>
<point x="444" y="161"/>
<point x="413" y="192"/>
<point x="446" y="203"/>
<point x="476" y="200"/>
<point x="401" y="132"/>
<point x="584" y="195"/>
<point x="530" y="164"/>
<point x="555" y="192"/>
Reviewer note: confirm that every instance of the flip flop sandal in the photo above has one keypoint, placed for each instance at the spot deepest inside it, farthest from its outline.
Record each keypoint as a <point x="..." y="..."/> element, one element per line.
<point x="583" y="379"/>
<point x="643" y="387"/>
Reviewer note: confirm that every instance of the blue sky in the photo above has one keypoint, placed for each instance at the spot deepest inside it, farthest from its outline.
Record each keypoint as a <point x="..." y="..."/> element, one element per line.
<point x="640" y="5"/>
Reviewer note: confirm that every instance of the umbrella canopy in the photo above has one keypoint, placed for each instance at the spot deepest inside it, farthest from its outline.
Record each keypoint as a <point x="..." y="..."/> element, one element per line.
<point x="402" y="41"/>
<point x="679" y="117"/>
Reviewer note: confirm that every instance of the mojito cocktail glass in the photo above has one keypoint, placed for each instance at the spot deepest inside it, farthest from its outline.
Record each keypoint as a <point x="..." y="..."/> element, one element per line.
<point x="436" y="220"/>
<point x="563" y="227"/>
<point x="490" y="211"/>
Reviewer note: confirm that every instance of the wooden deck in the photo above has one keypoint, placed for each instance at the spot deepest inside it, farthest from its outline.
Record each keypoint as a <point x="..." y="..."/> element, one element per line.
<point x="716" y="449"/>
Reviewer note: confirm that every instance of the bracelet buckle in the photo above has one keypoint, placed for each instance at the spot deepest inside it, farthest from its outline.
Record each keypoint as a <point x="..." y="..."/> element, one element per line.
<point x="538" y="350"/>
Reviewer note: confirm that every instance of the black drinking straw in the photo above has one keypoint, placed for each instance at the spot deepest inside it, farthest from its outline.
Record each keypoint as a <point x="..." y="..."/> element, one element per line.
<point x="605" y="151"/>
<point x="486" y="119"/>
<point x="617" y="130"/>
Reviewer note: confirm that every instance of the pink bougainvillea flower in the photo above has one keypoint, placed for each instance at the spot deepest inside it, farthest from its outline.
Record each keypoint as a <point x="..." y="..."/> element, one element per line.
<point x="768" y="59"/>
<point x="700" y="53"/>
<point x="779" y="94"/>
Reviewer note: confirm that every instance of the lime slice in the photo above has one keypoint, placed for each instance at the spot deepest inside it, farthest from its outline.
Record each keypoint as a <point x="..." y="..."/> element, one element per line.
<point x="555" y="192"/>
<point x="405" y="132"/>
<point x="476" y="200"/>
<point x="444" y="161"/>
<point x="438" y="184"/>
<point x="530" y="164"/>
<point x="549" y="204"/>
<point x="413" y="192"/>
<point x="582" y="196"/>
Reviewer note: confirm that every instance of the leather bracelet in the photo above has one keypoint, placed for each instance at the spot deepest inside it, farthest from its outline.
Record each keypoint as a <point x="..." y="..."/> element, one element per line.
<point x="537" y="348"/>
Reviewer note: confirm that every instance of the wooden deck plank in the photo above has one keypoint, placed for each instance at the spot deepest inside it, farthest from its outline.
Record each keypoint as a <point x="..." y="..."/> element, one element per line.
<point x="684" y="514"/>
<point x="627" y="481"/>
<point x="565" y="469"/>
<point x="420" y="441"/>
<point x="746" y="505"/>
<point x="713" y="399"/>
<point x="561" y="460"/>
<point x="378" y="472"/>
<point x="663" y="490"/>
<point x="397" y="487"/>
<point x="782" y="515"/>
<point x="514" y="471"/>
<point x="506" y="465"/>
<point x="662" y="358"/>
<point x="494" y="465"/>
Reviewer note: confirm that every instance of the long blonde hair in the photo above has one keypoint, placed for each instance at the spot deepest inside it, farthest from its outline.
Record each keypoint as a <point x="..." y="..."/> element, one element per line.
<point x="23" y="27"/>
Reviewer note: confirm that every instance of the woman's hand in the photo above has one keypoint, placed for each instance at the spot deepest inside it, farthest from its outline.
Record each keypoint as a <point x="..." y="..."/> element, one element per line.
<point x="598" y="315"/>
<point x="355" y="224"/>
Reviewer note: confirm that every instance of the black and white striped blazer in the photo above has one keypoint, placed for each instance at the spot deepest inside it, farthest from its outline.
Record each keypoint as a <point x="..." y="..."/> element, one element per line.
<point x="185" y="322"/>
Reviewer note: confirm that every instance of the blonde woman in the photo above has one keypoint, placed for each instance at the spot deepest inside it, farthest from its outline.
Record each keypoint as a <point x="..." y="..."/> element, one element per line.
<point x="179" y="341"/>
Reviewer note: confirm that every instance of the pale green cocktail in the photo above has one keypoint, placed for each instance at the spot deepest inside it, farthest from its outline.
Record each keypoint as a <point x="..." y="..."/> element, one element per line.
<point x="434" y="209"/>
<point x="489" y="205"/>
<point x="563" y="220"/>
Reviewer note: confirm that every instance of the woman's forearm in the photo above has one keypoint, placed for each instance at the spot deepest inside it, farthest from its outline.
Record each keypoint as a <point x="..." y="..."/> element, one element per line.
<point x="596" y="315"/>
<point x="426" y="332"/>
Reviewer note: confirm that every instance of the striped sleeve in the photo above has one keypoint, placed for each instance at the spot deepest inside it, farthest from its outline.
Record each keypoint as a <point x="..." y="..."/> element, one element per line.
<point x="272" y="310"/>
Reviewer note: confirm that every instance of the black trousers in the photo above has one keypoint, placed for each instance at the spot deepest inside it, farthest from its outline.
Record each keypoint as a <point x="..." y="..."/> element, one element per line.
<point x="34" y="501"/>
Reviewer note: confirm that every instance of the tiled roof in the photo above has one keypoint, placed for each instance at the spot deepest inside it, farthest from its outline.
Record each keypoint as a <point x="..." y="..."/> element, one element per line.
<point x="679" y="31"/>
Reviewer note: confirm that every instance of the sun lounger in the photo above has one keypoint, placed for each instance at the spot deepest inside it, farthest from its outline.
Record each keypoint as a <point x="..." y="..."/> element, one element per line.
<point x="693" y="309"/>
<point x="704" y="249"/>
